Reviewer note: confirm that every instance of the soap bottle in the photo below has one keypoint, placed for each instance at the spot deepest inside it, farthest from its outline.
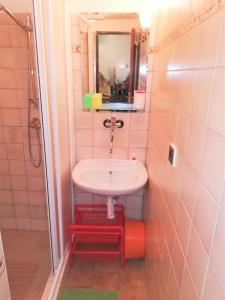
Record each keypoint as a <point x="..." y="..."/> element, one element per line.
<point x="133" y="160"/>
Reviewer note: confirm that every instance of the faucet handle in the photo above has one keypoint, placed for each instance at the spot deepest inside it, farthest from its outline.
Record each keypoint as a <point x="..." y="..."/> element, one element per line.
<point x="119" y="123"/>
<point x="113" y="123"/>
<point x="107" y="123"/>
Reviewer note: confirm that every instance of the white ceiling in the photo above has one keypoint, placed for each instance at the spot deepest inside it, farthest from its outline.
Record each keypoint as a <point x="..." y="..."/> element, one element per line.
<point x="106" y="5"/>
<point x="151" y="6"/>
<point x="18" y="5"/>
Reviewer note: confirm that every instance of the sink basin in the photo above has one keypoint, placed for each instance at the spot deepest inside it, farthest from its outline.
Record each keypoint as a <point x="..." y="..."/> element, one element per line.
<point x="110" y="177"/>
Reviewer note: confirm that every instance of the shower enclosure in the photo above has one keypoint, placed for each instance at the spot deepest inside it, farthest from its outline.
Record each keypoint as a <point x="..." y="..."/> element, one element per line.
<point x="32" y="98"/>
<point x="23" y="202"/>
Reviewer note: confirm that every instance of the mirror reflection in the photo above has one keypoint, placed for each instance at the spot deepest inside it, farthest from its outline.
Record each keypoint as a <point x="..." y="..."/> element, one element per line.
<point x="114" y="55"/>
<point x="113" y="64"/>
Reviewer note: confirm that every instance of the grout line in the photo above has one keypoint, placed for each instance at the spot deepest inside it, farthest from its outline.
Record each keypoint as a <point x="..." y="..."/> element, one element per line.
<point x="213" y="240"/>
<point x="192" y="226"/>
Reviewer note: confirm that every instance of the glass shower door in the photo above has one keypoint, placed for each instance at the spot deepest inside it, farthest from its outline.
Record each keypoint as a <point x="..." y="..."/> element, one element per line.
<point x="4" y="283"/>
<point x="24" y="198"/>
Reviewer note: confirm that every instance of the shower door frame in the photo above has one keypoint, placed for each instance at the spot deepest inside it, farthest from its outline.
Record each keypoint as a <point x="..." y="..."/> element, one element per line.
<point x="59" y="149"/>
<point x="50" y="153"/>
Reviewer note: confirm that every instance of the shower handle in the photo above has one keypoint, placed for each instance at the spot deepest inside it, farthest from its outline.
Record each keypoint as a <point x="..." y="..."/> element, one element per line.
<point x="35" y="123"/>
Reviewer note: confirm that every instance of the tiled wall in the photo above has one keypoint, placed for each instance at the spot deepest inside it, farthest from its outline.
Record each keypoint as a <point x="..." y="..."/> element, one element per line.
<point x="22" y="196"/>
<point x="185" y="206"/>
<point x="93" y="139"/>
<point x="85" y="66"/>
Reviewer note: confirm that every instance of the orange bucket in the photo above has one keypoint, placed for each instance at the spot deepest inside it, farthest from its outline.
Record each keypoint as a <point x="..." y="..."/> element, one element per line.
<point x="134" y="238"/>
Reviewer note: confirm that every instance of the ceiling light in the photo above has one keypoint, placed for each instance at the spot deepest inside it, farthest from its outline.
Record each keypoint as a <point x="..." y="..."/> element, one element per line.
<point x="145" y="19"/>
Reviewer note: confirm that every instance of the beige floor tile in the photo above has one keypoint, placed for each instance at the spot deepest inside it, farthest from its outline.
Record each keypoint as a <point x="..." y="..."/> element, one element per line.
<point x="82" y="265"/>
<point x="133" y="294"/>
<point x="136" y="264"/>
<point x="133" y="278"/>
<point x="130" y="281"/>
<point x="107" y="266"/>
<point x="30" y="265"/>
<point x="79" y="279"/>
<point x="106" y="281"/>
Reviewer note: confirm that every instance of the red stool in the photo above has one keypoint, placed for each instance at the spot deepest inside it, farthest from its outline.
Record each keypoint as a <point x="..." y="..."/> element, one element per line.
<point x="94" y="235"/>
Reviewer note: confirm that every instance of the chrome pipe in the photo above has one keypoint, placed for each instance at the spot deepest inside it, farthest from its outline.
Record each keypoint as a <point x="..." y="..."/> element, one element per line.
<point x="25" y="27"/>
<point x="111" y="141"/>
<point x="33" y="123"/>
<point x="112" y="126"/>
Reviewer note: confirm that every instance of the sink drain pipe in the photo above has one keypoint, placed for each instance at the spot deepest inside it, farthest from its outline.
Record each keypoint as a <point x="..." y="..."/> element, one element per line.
<point x="111" y="201"/>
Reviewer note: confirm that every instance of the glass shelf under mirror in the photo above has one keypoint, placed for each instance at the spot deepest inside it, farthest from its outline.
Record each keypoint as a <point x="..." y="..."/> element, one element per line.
<point x="117" y="107"/>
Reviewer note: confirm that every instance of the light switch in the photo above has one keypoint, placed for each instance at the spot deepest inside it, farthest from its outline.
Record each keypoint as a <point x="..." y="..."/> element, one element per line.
<point x="172" y="157"/>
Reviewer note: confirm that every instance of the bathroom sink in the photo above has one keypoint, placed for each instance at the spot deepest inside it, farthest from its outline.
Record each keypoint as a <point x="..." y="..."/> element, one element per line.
<point x="110" y="177"/>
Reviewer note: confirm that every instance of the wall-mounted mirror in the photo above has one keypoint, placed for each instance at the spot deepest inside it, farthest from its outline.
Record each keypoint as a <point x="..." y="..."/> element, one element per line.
<point x="114" y="57"/>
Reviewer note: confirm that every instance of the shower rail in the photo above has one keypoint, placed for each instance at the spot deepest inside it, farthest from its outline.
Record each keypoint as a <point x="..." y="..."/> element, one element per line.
<point x="25" y="27"/>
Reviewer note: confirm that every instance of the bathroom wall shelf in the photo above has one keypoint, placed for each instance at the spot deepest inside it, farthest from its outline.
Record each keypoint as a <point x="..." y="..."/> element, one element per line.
<point x="117" y="107"/>
<point x="93" y="235"/>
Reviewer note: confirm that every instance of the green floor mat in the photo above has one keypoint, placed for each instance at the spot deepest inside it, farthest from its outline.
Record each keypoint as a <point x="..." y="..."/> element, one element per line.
<point x="85" y="294"/>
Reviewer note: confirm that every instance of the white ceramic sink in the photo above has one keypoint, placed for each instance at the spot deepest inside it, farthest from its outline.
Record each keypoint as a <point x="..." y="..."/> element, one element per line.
<point x="110" y="177"/>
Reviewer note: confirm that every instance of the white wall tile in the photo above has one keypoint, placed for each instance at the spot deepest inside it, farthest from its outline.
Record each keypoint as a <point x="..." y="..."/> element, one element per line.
<point x="204" y="219"/>
<point x="119" y="153"/>
<point x="121" y="138"/>
<point x="139" y="121"/>
<point x="218" y="259"/>
<point x="102" y="138"/>
<point x="213" y="162"/>
<point x="102" y="152"/>
<point x="138" y="138"/>
<point x="213" y="288"/>
<point x="84" y="137"/>
<point x="216" y="119"/>
<point x="197" y="260"/>
<point x="187" y="107"/>
<point x="83" y="152"/>
<point x="84" y="119"/>
<point x="187" y="290"/>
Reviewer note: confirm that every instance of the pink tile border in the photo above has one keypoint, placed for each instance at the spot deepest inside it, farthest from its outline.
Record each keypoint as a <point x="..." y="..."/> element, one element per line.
<point x="192" y="21"/>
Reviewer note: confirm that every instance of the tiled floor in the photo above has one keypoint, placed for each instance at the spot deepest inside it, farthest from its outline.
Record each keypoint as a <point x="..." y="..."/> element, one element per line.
<point x="28" y="262"/>
<point x="130" y="281"/>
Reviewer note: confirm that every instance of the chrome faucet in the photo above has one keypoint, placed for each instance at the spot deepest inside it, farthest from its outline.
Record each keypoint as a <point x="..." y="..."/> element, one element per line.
<point x="112" y="124"/>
